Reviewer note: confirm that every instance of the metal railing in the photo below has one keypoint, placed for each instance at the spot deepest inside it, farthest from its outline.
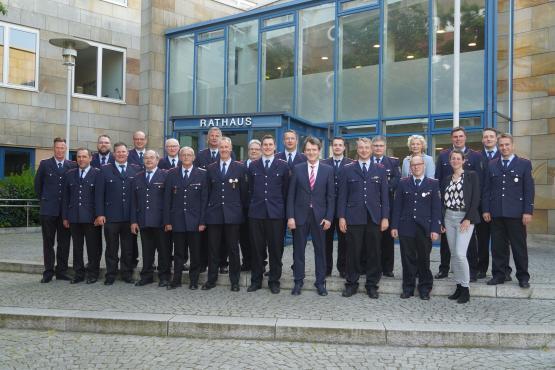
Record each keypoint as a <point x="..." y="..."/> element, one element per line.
<point x="23" y="203"/>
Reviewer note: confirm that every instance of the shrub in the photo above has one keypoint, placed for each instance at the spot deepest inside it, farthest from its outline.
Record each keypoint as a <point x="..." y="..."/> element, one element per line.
<point x="18" y="187"/>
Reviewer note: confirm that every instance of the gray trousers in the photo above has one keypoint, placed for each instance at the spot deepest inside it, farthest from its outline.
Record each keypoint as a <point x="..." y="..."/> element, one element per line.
<point x="458" y="245"/>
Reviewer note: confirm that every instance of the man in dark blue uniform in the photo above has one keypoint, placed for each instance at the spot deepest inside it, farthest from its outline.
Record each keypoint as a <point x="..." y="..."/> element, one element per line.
<point x="416" y="222"/>
<point x="171" y="159"/>
<point x="227" y="197"/>
<point x="337" y="161"/>
<point x="49" y="186"/>
<point x="363" y="211"/>
<point x="508" y="203"/>
<point x="268" y="185"/>
<point x="136" y="155"/>
<point x="146" y="216"/>
<point x="391" y="166"/>
<point x="185" y="200"/>
<point x="103" y="155"/>
<point x="473" y="162"/>
<point x="113" y="207"/>
<point x="291" y="155"/>
<point x="79" y="214"/>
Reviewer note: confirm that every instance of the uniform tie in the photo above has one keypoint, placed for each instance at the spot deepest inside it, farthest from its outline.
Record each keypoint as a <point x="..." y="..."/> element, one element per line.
<point x="60" y="165"/>
<point x="223" y="169"/>
<point x="417" y="182"/>
<point x="141" y="157"/>
<point x="103" y="160"/>
<point x="214" y="155"/>
<point x="378" y="160"/>
<point x="122" y="171"/>
<point x="364" y="169"/>
<point x="267" y="166"/>
<point x="312" y="178"/>
<point x="173" y="162"/>
<point x="337" y="163"/>
<point x="186" y="174"/>
<point x="148" y="176"/>
<point x="505" y="163"/>
<point x="490" y="154"/>
<point x="290" y="160"/>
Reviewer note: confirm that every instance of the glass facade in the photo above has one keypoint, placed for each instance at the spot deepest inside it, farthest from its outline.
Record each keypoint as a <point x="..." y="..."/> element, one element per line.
<point x="361" y="67"/>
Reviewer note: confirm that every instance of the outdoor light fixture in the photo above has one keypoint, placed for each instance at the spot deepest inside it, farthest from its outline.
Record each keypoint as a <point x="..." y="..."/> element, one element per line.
<point x="376" y="45"/>
<point x="69" y="53"/>
<point x="278" y="68"/>
<point x="324" y="58"/>
<point x="471" y="44"/>
<point x="410" y="56"/>
<point x="440" y="31"/>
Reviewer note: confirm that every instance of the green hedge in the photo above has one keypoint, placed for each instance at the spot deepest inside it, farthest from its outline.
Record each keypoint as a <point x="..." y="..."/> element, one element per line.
<point x="18" y="187"/>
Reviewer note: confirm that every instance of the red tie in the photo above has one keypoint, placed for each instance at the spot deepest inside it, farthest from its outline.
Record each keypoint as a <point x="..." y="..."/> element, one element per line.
<point x="312" y="178"/>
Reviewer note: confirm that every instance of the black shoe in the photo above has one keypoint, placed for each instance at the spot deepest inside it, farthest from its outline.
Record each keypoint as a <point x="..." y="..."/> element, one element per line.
<point x="186" y="267"/>
<point x="91" y="280"/>
<point x="234" y="287"/>
<point x="253" y="288"/>
<point x="456" y="294"/>
<point x="109" y="282"/>
<point x="524" y="284"/>
<point x="465" y="295"/>
<point x="142" y="282"/>
<point x="388" y="274"/>
<point x="441" y="275"/>
<point x="163" y="283"/>
<point x="208" y="286"/>
<point x="372" y="293"/>
<point x="296" y="289"/>
<point x="224" y="270"/>
<point x="193" y="286"/>
<point x="508" y="278"/>
<point x="128" y="280"/>
<point x="62" y="277"/>
<point x="77" y="280"/>
<point x="425" y="296"/>
<point x="494" y="281"/>
<point x="321" y="289"/>
<point x="406" y="295"/>
<point x="173" y="285"/>
<point x="349" y="291"/>
<point x="481" y="275"/>
<point x="274" y="288"/>
<point x="46" y="279"/>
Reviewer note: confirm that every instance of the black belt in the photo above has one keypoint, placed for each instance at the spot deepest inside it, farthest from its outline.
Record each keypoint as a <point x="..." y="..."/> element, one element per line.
<point x="456" y="209"/>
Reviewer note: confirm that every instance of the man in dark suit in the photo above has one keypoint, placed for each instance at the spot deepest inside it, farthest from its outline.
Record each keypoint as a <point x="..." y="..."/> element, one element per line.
<point x="337" y="161"/>
<point x="473" y="162"/>
<point x="136" y="155"/>
<point x="363" y="211"/>
<point x="49" y="186"/>
<point x="268" y="185"/>
<point x="227" y="197"/>
<point x="310" y="207"/>
<point x="508" y="203"/>
<point x="171" y="159"/>
<point x="103" y="155"/>
<point x="291" y="155"/>
<point x="416" y="222"/>
<point x="79" y="214"/>
<point x="113" y="205"/>
<point x="391" y="165"/>
<point x="255" y="152"/>
<point x="146" y="216"/>
<point x="185" y="200"/>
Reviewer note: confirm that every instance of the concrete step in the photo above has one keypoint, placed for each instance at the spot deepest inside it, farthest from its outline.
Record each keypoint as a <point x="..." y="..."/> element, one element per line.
<point x="278" y="329"/>
<point x="442" y="287"/>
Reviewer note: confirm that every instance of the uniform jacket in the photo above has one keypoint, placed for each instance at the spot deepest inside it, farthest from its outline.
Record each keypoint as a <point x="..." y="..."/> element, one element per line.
<point x="49" y="185"/>
<point x="79" y="203"/>
<point x="417" y="206"/>
<point x="474" y="162"/>
<point x="268" y="191"/>
<point x="299" y="158"/>
<point x="114" y="200"/>
<point x="147" y="199"/>
<point x="95" y="162"/>
<point x="393" y="173"/>
<point x="509" y="192"/>
<point x="185" y="200"/>
<point x="204" y="158"/>
<point x="471" y="195"/>
<point x="301" y="200"/>
<point x="227" y="195"/>
<point x="134" y="158"/>
<point x="360" y="196"/>
<point x="166" y="164"/>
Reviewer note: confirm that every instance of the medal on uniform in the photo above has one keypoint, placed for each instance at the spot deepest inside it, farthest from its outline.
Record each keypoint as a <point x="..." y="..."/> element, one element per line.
<point x="516" y="179"/>
<point x="424" y="194"/>
<point x="233" y="182"/>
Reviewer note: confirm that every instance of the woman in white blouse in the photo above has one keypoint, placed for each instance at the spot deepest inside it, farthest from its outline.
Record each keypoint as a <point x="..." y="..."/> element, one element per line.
<point x="417" y="145"/>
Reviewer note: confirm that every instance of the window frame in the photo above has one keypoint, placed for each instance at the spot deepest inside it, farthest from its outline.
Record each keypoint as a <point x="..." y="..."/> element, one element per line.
<point x="6" y="57"/>
<point x="98" y="97"/>
<point x="116" y="2"/>
<point x="3" y="150"/>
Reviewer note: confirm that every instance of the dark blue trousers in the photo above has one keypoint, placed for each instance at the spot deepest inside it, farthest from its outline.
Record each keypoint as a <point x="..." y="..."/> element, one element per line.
<point x="311" y="227"/>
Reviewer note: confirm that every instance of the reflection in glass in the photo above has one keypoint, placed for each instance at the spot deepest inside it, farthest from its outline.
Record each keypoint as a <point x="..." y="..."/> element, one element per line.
<point x="86" y="66"/>
<point x="397" y="147"/>
<point x="288" y="18"/>
<point x="416" y="125"/>
<point x="112" y="74"/>
<point x="242" y="67"/>
<point x="211" y="35"/>
<point x="277" y="70"/>
<point x="358" y="69"/>
<point x="463" y="122"/>
<point x="210" y="78"/>
<point x="315" y="75"/>
<point x="356" y="3"/>
<point x="364" y="129"/>
<point x="15" y="162"/>
<point x="405" y="58"/>
<point x="22" y="55"/>
<point x="1" y="54"/>
<point x="472" y="56"/>
<point x="180" y="89"/>
<point x="503" y="57"/>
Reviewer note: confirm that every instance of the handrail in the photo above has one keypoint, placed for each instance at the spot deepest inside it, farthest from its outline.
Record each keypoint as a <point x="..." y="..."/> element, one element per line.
<point x="27" y="205"/>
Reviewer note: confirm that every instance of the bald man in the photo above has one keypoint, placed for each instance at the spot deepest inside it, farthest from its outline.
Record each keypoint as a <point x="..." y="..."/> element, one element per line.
<point x="136" y="155"/>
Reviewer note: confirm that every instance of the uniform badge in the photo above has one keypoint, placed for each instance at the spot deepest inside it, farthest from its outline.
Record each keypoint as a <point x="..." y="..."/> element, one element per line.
<point x="233" y="182"/>
<point x="424" y="194"/>
<point x="516" y="179"/>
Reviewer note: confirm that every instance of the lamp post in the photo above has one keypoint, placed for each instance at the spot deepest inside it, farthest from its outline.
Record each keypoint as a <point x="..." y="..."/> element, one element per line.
<point x="69" y="52"/>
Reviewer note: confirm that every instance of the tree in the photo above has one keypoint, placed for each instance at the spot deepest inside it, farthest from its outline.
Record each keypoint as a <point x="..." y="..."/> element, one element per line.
<point x="3" y="9"/>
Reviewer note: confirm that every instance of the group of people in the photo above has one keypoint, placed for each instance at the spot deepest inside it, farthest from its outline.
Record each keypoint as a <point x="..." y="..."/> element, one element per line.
<point x="209" y="210"/>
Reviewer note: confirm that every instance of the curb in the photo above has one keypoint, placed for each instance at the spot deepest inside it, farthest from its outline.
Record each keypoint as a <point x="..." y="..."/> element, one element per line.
<point x="274" y="329"/>
<point x="336" y="284"/>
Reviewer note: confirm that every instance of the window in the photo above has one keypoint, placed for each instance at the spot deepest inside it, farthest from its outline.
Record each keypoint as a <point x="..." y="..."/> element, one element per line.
<point x="105" y="82"/>
<point x="408" y="126"/>
<point x="210" y="78"/>
<point x="503" y="43"/>
<point x="447" y="123"/>
<point x="288" y="18"/>
<point x="13" y="161"/>
<point x="348" y="5"/>
<point x="19" y="56"/>
<point x="180" y="87"/>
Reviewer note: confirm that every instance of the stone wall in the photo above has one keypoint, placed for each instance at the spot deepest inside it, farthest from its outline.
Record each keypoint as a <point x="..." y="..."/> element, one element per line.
<point x="534" y="101"/>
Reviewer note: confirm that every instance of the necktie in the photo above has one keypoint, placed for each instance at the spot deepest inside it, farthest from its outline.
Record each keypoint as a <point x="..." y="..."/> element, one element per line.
<point x="312" y="178"/>
<point x="103" y="160"/>
<point x="82" y="176"/>
<point x="490" y="154"/>
<point x="122" y="166"/>
<point x="378" y="160"/>
<point x="214" y="155"/>
<point x="60" y="165"/>
<point x="173" y="162"/>
<point x="417" y="182"/>
<point x="267" y="166"/>
<point x="186" y="174"/>
<point x="141" y="157"/>
<point x="337" y="164"/>
<point x="505" y="163"/>
<point x="223" y="169"/>
<point x="290" y="160"/>
<point x="364" y="169"/>
<point x="148" y="176"/>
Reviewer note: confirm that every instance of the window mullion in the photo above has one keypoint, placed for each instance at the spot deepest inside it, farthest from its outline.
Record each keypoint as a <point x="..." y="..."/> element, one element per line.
<point x="99" y="73"/>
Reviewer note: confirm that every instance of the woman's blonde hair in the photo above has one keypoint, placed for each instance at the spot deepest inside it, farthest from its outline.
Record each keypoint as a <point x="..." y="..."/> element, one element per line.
<point x="422" y="140"/>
